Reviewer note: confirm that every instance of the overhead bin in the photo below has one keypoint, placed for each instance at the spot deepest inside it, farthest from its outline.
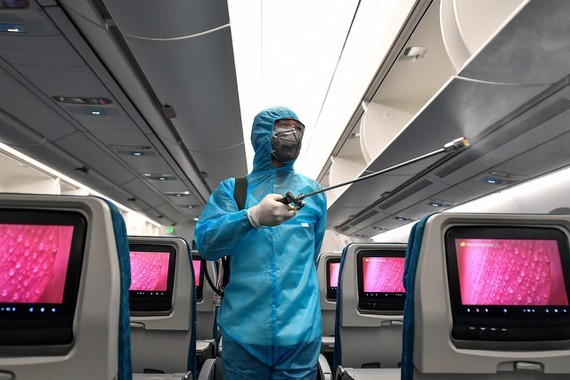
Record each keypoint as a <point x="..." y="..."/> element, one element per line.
<point x="491" y="114"/>
<point x="467" y="25"/>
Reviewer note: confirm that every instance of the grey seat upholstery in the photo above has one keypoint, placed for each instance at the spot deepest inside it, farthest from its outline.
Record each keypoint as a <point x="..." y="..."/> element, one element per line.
<point x="93" y="351"/>
<point x="365" y="338"/>
<point x="161" y="341"/>
<point x="512" y="272"/>
<point x="325" y="262"/>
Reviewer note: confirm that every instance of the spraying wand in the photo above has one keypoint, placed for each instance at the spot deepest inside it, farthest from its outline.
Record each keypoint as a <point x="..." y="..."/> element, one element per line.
<point x="453" y="146"/>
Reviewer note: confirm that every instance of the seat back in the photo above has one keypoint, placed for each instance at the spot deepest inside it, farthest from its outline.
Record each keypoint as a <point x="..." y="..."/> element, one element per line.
<point x="205" y="318"/>
<point x="65" y="305"/>
<point x="163" y="305"/>
<point x="370" y="306"/>
<point x="487" y="297"/>
<point x="328" y="267"/>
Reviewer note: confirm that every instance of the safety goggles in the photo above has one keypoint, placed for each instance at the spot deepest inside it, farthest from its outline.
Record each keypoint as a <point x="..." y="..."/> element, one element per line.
<point x="285" y="124"/>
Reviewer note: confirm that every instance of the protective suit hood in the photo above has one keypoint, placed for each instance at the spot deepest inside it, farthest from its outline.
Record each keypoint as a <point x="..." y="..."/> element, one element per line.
<point x="261" y="132"/>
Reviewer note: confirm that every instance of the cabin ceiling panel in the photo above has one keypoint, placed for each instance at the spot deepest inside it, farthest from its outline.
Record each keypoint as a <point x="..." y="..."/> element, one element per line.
<point x="143" y="190"/>
<point x="116" y="135"/>
<point x="73" y="81"/>
<point x="95" y="157"/>
<point x="172" y="212"/>
<point x="533" y="48"/>
<point x="197" y="78"/>
<point x="42" y="58"/>
<point x="24" y="45"/>
<point x="166" y="20"/>
<point x="194" y="76"/>
<point x="111" y="117"/>
<point x="219" y="166"/>
<point x="45" y="63"/>
<point x="35" y="113"/>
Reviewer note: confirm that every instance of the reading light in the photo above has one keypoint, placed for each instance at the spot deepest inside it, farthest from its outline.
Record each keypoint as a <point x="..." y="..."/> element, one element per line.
<point x="177" y="193"/>
<point x="493" y="180"/>
<point x="401" y="218"/>
<point x="12" y="28"/>
<point x="159" y="176"/>
<point x="13" y="4"/>
<point x="137" y="153"/>
<point x="95" y="111"/>
<point x="78" y="100"/>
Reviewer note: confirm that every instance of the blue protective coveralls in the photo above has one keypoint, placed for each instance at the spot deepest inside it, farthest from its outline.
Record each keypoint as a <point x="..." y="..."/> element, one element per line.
<point x="271" y="305"/>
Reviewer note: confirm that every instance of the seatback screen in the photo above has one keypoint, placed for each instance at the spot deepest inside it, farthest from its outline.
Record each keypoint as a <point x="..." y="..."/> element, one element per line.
<point x="149" y="270"/>
<point x="332" y="273"/>
<point x="152" y="278"/>
<point x="380" y="280"/>
<point x="41" y="254"/>
<point x="508" y="284"/>
<point x="199" y="265"/>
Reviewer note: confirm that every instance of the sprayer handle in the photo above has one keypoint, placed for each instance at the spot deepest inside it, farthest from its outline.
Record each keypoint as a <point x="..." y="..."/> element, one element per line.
<point x="289" y="198"/>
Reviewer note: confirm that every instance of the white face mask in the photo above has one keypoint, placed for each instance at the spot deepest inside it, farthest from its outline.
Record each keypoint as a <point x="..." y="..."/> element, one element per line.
<point x="286" y="144"/>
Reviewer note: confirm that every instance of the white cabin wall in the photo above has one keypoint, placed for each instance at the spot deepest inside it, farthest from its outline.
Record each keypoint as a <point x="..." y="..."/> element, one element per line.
<point x="335" y="242"/>
<point x="20" y="175"/>
<point x="30" y="185"/>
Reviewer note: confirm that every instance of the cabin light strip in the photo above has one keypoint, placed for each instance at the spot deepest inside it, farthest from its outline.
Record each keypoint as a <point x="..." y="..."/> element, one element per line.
<point x="47" y="169"/>
<point x="176" y="38"/>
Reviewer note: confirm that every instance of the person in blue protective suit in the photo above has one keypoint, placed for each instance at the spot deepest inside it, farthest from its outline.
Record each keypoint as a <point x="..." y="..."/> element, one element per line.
<point x="270" y="316"/>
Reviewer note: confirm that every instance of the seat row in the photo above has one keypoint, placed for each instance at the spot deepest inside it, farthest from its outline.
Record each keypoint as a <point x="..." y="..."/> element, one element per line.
<point x="81" y="299"/>
<point x="470" y="296"/>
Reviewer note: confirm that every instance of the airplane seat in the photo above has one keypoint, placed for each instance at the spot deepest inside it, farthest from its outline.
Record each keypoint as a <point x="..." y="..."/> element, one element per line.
<point x="64" y="289"/>
<point x="487" y="297"/>
<point x="205" y="312"/>
<point x="163" y="305"/>
<point x="369" y="311"/>
<point x="328" y="264"/>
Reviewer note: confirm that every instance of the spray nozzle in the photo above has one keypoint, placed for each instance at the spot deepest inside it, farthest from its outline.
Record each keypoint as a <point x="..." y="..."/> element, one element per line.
<point x="456" y="145"/>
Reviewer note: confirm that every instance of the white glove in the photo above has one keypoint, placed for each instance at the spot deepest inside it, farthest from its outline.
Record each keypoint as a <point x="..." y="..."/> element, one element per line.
<point x="270" y="212"/>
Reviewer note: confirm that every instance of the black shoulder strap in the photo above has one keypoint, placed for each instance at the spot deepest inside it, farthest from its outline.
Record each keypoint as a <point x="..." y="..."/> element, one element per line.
<point x="240" y="192"/>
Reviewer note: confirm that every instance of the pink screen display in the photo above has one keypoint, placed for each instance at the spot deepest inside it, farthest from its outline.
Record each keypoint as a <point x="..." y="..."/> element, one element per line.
<point x="383" y="274"/>
<point x="510" y="272"/>
<point x="33" y="262"/>
<point x="197" y="267"/>
<point x="149" y="270"/>
<point x="334" y="268"/>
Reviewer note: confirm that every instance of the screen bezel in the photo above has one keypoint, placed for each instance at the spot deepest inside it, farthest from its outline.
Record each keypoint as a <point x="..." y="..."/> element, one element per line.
<point x="199" y="288"/>
<point x="26" y="326"/>
<point x="144" y="302"/>
<point x="487" y="322"/>
<point x="331" y="291"/>
<point x="384" y="302"/>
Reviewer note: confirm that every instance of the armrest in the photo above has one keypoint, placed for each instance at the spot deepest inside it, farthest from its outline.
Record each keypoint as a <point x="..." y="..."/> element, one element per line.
<point x="324" y="368"/>
<point x="207" y="370"/>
